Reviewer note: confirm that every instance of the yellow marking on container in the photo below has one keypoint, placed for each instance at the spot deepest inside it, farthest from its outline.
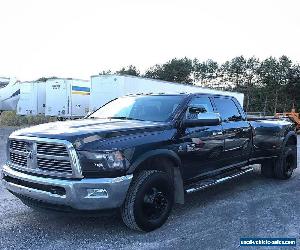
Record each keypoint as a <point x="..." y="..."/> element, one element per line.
<point x="80" y="93"/>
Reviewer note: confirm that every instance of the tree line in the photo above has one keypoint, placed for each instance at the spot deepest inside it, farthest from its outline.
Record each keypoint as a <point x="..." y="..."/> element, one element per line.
<point x="270" y="85"/>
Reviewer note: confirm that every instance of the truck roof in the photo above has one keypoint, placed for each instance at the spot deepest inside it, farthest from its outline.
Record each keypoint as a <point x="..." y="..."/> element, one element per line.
<point x="176" y="94"/>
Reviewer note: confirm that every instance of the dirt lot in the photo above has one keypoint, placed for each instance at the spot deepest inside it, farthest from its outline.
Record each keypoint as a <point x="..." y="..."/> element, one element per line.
<point x="250" y="206"/>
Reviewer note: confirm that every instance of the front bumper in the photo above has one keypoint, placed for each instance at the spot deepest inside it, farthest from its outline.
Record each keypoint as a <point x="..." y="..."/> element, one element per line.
<point x="76" y="193"/>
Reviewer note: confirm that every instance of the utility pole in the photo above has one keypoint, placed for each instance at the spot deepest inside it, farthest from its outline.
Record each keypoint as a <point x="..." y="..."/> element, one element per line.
<point x="248" y="101"/>
<point x="265" y="106"/>
<point x="276" y="97"/>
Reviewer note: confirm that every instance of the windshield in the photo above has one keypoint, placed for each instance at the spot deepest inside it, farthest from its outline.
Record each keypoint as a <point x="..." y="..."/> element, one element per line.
<point x="146" y="108"/>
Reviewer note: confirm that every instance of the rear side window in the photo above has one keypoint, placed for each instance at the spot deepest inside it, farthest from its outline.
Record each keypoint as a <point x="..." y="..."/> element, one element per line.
<point x="227" y="109"/>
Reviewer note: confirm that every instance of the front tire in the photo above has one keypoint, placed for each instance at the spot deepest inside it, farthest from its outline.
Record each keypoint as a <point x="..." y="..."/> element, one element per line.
<point x="149" y="201"/>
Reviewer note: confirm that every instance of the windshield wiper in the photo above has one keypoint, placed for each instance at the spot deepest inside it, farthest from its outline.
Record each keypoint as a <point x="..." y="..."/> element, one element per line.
<point x="120" y="117"/>
<point x="124" y="118"/>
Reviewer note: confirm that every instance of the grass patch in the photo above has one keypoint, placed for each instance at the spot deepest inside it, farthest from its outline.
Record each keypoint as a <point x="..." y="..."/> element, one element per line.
<point x="10" y="118"/>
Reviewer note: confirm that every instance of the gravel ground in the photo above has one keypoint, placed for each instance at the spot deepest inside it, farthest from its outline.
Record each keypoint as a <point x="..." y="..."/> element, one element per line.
<point x="216" y="218"/>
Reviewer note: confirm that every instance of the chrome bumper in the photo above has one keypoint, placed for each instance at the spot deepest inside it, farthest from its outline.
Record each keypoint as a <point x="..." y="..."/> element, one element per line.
<point x="78" y="193"/>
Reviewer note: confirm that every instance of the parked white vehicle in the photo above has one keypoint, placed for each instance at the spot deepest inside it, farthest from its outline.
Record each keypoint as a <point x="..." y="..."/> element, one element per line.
<point x="9" y="95"/>
<point x="105" y="88"/>
<point x="32" y="98"/>
<point x="67" y="98"/>
<point x="4" y="81"/>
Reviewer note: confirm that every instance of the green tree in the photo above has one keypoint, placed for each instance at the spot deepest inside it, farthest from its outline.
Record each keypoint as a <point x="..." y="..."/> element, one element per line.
<point x="155" y="72"/>
<point x="175" y="70"/>
<point x="274" y="75"/>
<point x="44" y="79"/>
<point x="105" y="72"/>
<point x="292" y="88"/>
<point x="236" y="71"/>
<point x="129" y="70"/>
<point x="205" y="72"/>
<point x="249" y="81"/>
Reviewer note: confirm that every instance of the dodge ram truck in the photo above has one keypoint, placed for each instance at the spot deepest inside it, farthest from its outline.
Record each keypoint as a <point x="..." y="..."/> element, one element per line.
<point x="140" y="154"/>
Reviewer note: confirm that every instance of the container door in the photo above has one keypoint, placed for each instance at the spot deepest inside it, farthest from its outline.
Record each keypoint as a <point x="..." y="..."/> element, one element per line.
<point x="27" y="103"/>
<point x="57" y="98"/>
<point x="80" y="98"/>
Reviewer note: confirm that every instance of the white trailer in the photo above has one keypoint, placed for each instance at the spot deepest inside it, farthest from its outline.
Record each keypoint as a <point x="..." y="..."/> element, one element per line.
<point x="32" y="98"/>
<point x="67" y="98"/>
<point x="105" y="88"/>
<point x="9" y="95"/>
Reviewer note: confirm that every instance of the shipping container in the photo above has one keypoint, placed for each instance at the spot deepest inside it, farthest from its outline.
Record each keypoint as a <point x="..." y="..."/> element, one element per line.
<point x="67" y="98"/>
<point x="105" y="88"/>
<point x="32" y="98"/>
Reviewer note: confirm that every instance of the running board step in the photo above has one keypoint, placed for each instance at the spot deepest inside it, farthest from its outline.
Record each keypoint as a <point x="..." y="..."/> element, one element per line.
<point x="212" y="182"/>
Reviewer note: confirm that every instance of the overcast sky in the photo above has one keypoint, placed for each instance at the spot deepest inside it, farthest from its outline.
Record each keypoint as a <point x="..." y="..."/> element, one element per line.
<point x="81" y="38"/>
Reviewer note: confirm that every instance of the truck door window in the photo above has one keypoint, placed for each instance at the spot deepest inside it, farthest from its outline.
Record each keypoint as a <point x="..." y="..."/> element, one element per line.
<point x="199" y="102"/>
<point x="227" y="109"/>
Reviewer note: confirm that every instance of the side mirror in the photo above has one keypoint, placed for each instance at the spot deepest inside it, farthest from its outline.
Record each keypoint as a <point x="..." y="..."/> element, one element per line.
<point x="196" y="110"/>
<point x="203" y="119"/>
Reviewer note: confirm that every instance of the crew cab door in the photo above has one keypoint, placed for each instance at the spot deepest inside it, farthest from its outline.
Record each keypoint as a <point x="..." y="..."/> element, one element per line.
<point x="200" y="147"/>
<point x="236" y="131"/>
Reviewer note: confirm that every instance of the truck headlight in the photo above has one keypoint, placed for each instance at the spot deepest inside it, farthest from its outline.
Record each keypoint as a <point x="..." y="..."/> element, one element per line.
<point x="105" y="163"/>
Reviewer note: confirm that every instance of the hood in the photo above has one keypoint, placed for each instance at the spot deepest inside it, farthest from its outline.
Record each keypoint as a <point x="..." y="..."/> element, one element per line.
<point x="78" y="129"/>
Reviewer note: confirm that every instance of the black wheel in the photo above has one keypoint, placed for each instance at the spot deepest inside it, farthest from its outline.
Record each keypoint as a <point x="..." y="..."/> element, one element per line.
<point x="149" y="201"/>
<point x="286" y="163"/>
<point x="267" y="168"/>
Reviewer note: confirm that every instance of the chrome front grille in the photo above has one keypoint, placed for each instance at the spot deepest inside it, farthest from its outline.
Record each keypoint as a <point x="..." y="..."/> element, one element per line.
<point x="54" y="165"/>
<point x="44" y="156"/>
<point x="51" y="149"/>
<point x="18" y="145"/>
<point x="18" y="159"/>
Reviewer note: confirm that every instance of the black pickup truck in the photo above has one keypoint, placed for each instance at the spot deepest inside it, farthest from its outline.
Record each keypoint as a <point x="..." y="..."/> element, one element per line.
<point x="141" y="154"/>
